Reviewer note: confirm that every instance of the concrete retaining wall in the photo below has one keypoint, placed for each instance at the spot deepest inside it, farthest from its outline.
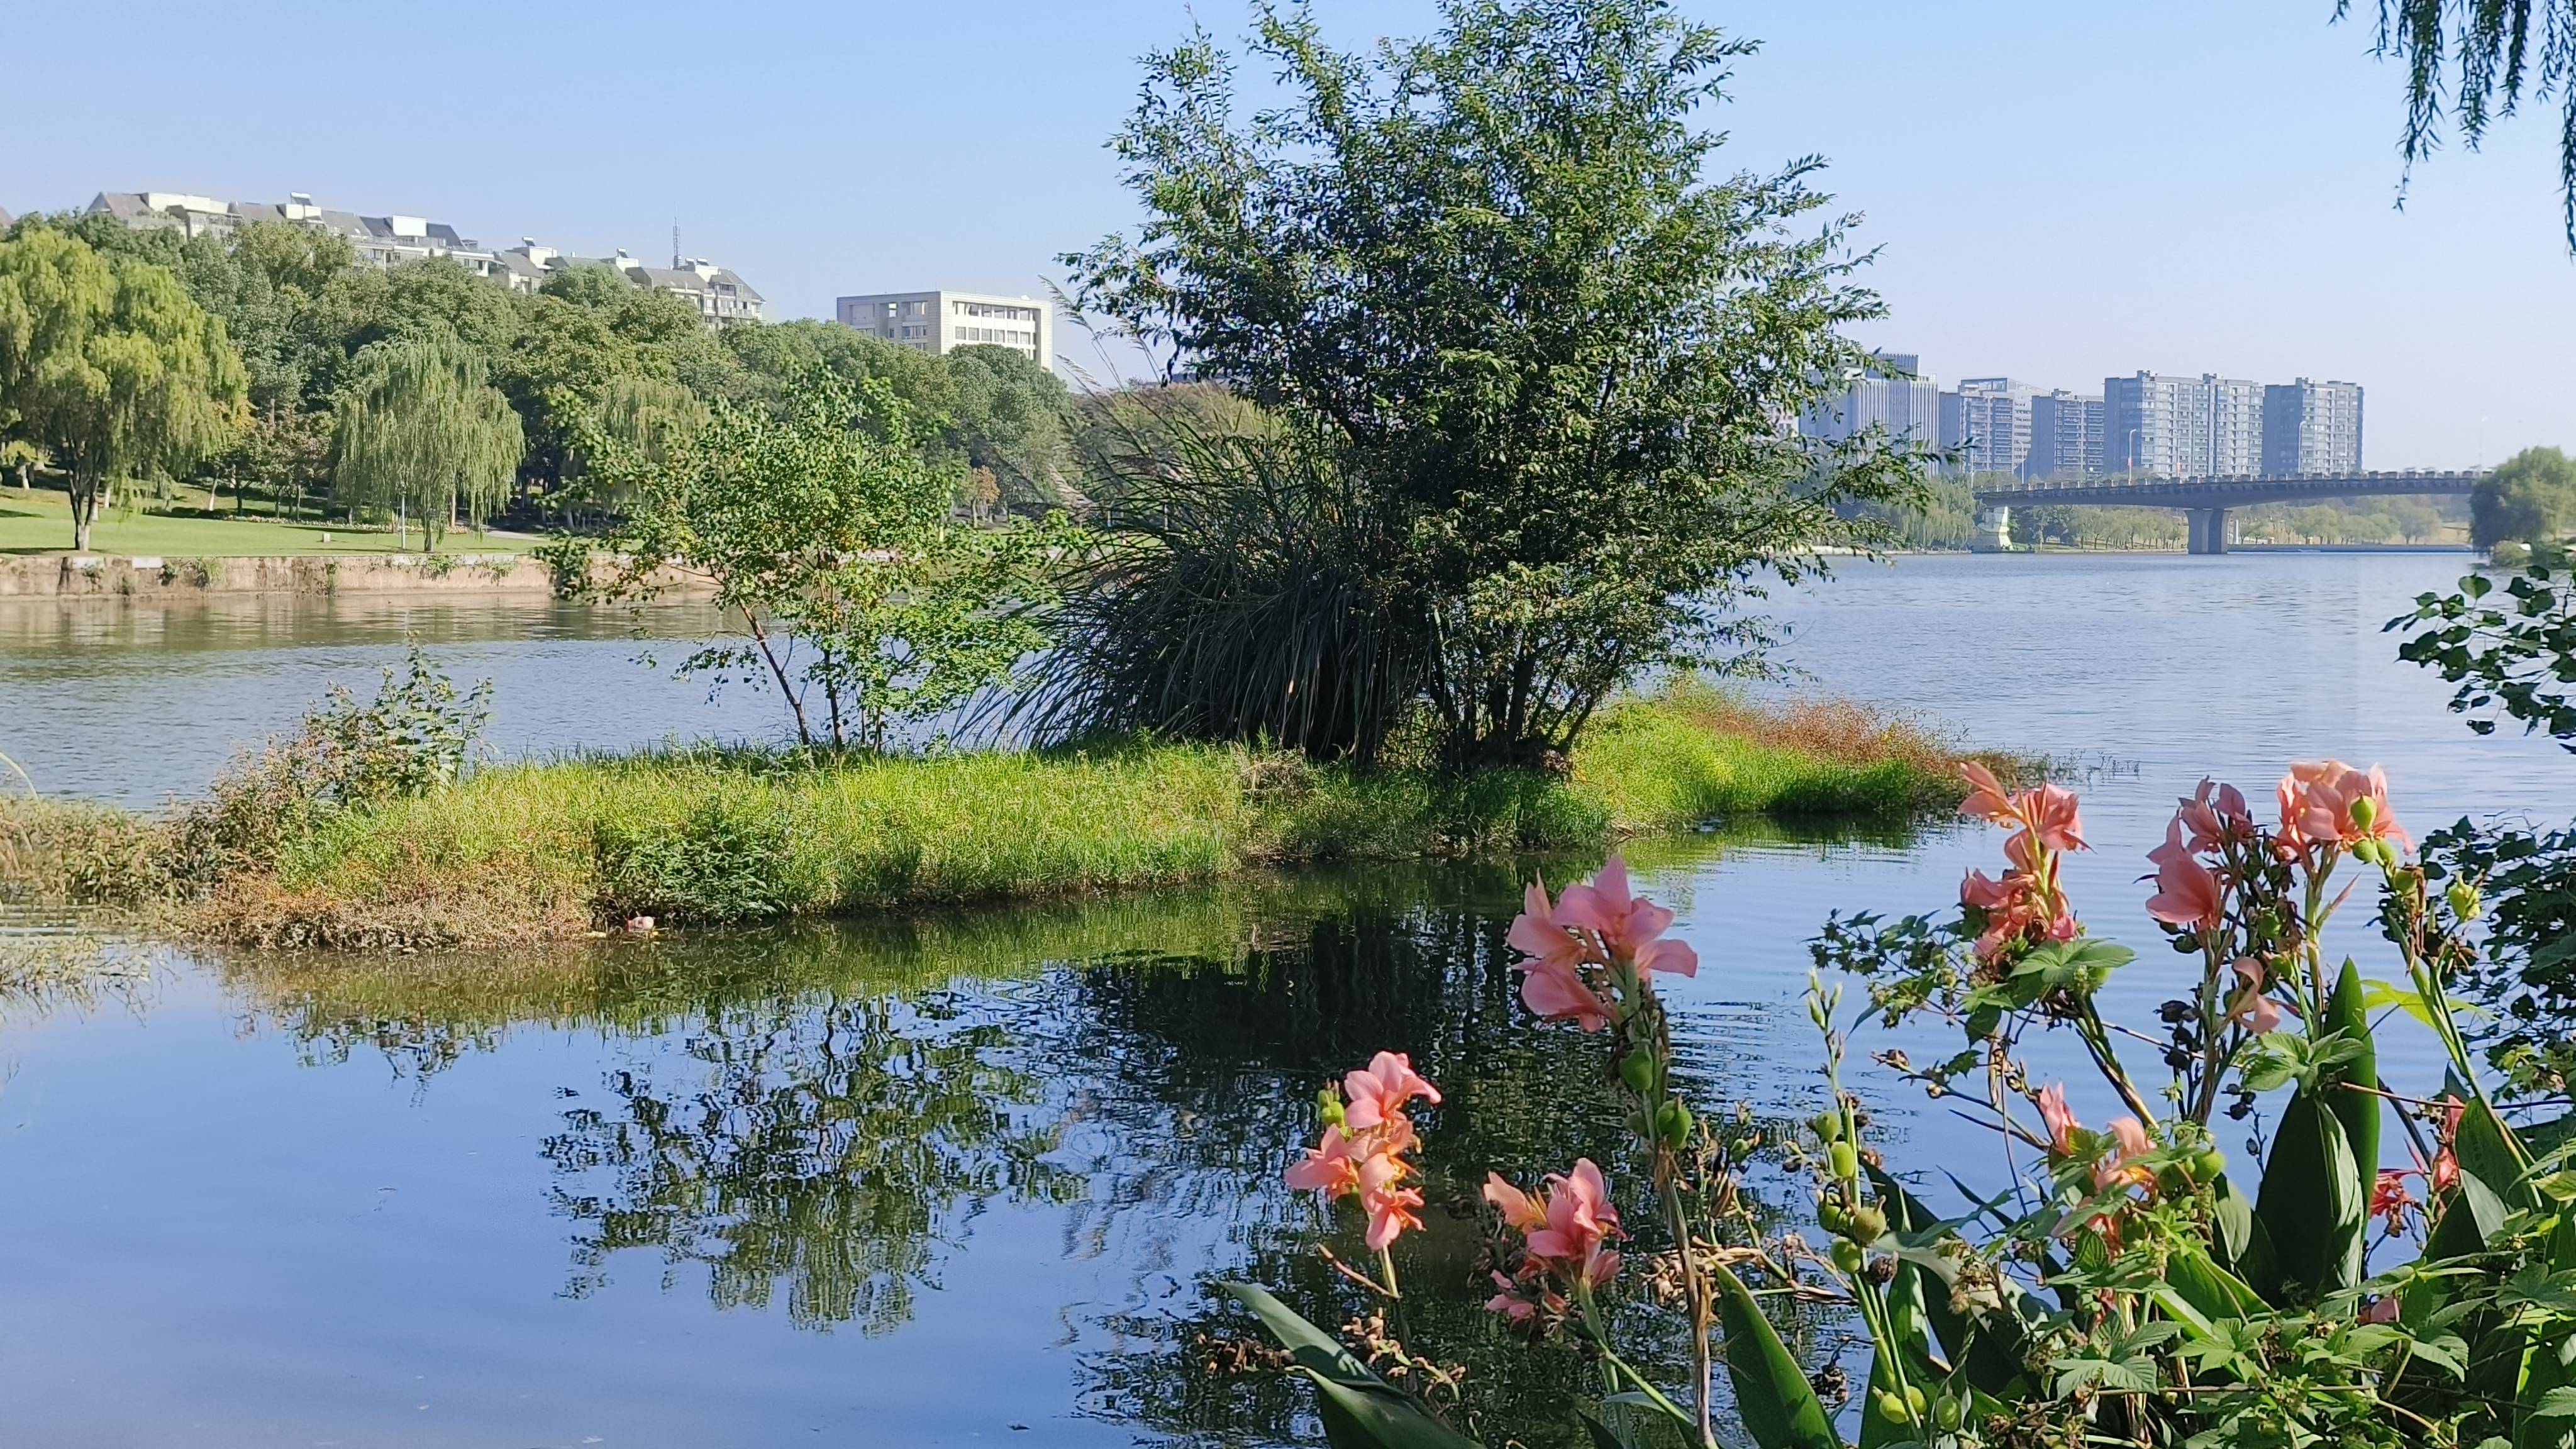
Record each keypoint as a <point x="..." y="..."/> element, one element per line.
<point x="77" y="574"/>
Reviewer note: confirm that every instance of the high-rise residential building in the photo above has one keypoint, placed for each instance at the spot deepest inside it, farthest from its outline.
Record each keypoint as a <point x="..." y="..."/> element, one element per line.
<point x="2235" y="427"/>
<point x="2183" y="427"/>
<point x="1892" y="394"/>
<point x="2065" y="435"/>
<point x="941" y="322"/>
<point x="1987" y="422"/>
<point x="2312" y="427"/>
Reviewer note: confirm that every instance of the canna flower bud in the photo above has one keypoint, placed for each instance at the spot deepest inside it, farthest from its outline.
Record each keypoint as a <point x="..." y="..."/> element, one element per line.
<point x="1329" y="1103"/>
<point x="2365" y="813"/>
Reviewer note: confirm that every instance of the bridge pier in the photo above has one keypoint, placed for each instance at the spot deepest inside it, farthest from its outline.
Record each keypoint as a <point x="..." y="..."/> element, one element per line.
<point x="2208" y="530"/>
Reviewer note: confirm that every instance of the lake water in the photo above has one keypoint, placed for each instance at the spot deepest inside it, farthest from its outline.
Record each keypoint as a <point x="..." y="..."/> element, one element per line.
<point x="960" y="1180"/>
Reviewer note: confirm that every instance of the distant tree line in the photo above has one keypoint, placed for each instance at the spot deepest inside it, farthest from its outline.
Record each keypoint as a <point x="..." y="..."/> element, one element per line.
<point x="267" y="364"/>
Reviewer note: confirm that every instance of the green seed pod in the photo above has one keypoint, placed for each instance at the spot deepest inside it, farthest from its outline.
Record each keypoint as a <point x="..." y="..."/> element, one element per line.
<point x="1675" y="1124"/>
<point x="1329" y="1103"/>
<point x="1827" y="1125"/>
<point x="1831" y="1217"/>
<point x="1949" y="1414"/>
<point x="1848" y="1256"/>
<point x="1865" y="1224"/>
<point x="1741" y="1148"/>
<point x="1893" y="1408"/>
<point x="2464" y="900"/>
<point x="1916" y="1405"/>
<point x="1846" y="1163"/>
<point x="1637" y="1069"/>
<point x="2207" y="1164"/>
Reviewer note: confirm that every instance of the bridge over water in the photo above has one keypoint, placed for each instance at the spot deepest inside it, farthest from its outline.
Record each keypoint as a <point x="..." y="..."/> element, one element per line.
<point x="2206" y="500"/>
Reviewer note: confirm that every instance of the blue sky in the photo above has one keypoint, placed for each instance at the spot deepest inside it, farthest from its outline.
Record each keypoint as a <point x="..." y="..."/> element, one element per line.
<point x="2060" y="191"/>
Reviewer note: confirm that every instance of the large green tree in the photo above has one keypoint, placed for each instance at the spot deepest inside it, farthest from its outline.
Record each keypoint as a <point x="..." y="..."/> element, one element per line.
<point x="828" y="540"/>
<point x="421" y="430"/>
<point x="2529" y="498"/>
<point x="110" y="366"/>
<point x="1558" y="347"/>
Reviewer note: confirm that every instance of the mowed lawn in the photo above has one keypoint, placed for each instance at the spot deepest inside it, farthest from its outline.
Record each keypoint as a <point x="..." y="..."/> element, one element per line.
<point x="40" y="521"/>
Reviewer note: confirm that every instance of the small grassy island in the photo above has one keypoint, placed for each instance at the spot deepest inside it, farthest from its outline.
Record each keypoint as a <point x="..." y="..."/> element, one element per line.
<point x="559" y="849"/>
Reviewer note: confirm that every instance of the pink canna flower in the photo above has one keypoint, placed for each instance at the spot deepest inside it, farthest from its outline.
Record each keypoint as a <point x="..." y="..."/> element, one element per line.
<point x="2255" y="1008"/>
<point x="1390" y="1204"/>
<point x="2062" y="1125"/>
<point x="1628" y="926"/>
<point x="2187" y="892"/>
<point x="1556" y="992"/>
<point x="1987" y="799"/>
<point x="2382" y="1309"/>
<point x="1377" y="1093"/>
<point x="2213" y="820"/>
<point x="2124" y="1169"/>
<point x="1520" y="1211"/>
<point x="1331" y="1168"/>
<point x="2047" y="812"/>
<point x="1580" y="1220"/>
<point x="2321" y="804"/>
<point x="1536" y="933"/>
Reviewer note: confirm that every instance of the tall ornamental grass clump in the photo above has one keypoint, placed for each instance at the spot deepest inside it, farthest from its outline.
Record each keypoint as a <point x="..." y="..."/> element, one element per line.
<point x="2134" y="1283"/>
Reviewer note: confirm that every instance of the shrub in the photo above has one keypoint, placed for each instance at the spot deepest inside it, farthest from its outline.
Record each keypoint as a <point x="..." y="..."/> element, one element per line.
<point x="727" y="861"/>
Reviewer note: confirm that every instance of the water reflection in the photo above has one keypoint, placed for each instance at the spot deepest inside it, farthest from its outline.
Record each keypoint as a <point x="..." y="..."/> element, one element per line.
<point x="812" y="1121"/>
<point x="836" y="1150"/>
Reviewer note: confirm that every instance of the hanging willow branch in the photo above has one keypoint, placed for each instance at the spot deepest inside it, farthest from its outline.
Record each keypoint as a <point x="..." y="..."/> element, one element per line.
<point x="419" y="424"/>
<point x="2496" y="52"/>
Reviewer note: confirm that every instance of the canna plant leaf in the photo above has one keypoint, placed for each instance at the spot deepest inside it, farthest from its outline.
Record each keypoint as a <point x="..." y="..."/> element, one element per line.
<point x="1360" y="1410"/>
<point x="2356" y="1111"/>
<point x="2311" y="1205"/>
<point x="1779" y="1407"/>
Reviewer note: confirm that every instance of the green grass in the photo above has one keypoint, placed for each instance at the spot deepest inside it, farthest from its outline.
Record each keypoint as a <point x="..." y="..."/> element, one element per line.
<point x="39" y="520"/>
<point x="554" y="850"/>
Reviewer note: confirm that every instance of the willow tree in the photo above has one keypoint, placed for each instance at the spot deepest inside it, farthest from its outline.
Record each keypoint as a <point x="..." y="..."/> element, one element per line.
<point x="420" y="428"/>
<point x="110" y="367"/>
<point x="2489" y="56"/>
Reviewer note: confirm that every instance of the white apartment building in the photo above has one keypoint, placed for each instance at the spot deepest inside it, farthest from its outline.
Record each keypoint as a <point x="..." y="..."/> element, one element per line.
<point x="719" y="294"/>
<point x="941" y="322"/>
<point x="1987" y="421"/>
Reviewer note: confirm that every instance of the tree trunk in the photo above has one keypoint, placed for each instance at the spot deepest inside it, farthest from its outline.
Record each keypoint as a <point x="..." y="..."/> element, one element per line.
<point x="84" y="508"/>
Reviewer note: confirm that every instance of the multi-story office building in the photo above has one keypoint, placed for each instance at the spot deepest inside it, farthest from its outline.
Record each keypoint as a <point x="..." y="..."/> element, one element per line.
<point x="2312" y="427"/>
<point x="2183" y="427"/>
<point x="941" y="322"/>
<point x="1987" y="422"/>
<point x="2065" y="435"/>
<point x="1893" y="395"/>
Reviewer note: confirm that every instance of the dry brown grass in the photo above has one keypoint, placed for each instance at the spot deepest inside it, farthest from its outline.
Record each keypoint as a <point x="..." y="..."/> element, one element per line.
<point x="1839" y="731"/>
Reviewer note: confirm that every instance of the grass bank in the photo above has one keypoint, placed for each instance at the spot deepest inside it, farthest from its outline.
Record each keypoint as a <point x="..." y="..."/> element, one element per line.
<point x="539" y="851"/>
<point x="195" y="525"/>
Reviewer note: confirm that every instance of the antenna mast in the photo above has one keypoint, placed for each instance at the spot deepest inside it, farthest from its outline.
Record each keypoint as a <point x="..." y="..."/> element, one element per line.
<point x="675" y="243"/>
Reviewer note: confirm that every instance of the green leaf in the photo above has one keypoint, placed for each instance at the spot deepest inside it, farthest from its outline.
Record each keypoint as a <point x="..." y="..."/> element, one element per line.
<point x="1772" y="1395"/>
<point x="2210" y="1289"/>
<point x="2356" y="1111"/>
<point x="1360" y="1410"/>
<point x="2312" y="1205"/>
